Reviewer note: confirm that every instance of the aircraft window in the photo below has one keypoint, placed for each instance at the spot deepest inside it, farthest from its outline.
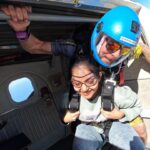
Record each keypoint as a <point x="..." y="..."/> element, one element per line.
<point x="21" y="89"/>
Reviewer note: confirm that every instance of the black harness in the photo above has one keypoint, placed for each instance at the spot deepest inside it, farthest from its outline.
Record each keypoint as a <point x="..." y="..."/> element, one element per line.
<point x="107" y="100"/>
<point x="107" y="96"/>
<point x="74" y="102"/>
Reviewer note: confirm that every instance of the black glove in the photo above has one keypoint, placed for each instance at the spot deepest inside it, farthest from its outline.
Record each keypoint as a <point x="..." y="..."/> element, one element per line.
<point x="64" y="47"/>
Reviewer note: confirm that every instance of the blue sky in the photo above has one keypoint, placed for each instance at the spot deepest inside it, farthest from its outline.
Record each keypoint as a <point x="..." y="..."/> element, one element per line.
<point x="146" y="3"/>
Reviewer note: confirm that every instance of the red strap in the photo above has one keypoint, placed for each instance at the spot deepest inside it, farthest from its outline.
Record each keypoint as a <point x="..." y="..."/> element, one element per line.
<point x="121" y="80"/>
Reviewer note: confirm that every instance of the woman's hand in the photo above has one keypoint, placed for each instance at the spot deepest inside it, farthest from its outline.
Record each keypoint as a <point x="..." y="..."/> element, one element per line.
<point x="115" y="114"/>
<point x="71" y="116"/>
<point x="19" y="19"/>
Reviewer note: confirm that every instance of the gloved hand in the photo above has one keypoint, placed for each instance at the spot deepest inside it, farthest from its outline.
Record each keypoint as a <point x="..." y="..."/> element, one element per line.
<point x="64" y="47"/>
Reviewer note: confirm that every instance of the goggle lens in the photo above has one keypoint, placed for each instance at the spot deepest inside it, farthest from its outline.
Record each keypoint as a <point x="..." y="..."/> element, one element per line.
<point x="114" y="46"/>
<point x="125" y="51"/>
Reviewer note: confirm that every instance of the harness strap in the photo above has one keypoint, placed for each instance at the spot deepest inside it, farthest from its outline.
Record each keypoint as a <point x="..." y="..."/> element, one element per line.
<point x="74" y="102"/>
<point x="107" y="99"/>
<point x="121" y="77"/>
<point x="108" y="95"/>
<point x="107" y="127"/>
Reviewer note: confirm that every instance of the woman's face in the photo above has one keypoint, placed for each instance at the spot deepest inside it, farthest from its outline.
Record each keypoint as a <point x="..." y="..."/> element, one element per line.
<point x="106" y="55"/>
<point x="84" y="81"/>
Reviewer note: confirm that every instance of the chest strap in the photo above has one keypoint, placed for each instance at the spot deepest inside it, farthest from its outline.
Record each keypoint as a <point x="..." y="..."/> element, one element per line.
<point x="74" y="102"/>
<point x="107" y="94"/>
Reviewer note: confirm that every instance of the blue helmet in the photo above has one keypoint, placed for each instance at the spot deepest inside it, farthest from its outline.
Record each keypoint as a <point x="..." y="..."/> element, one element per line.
<point x="122" y="25"/>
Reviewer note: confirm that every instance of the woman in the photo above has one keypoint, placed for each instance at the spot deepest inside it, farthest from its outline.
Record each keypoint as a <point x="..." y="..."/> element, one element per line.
<point x="86" y="80"/>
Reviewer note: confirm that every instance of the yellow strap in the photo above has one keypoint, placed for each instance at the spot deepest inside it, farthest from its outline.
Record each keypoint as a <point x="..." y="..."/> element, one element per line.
<point x="136" y="121"/>
<point x="137" y="51"/>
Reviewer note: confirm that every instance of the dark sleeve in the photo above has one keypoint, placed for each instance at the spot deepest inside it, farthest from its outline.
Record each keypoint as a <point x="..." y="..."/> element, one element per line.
<point x="64" y="47"/>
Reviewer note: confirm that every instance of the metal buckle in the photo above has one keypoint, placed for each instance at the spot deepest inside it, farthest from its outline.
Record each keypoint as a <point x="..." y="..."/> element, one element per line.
<point x="111" y="81"/>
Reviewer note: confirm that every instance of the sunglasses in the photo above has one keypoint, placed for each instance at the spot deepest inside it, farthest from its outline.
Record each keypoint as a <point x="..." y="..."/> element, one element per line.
<point x="114" y="46"/>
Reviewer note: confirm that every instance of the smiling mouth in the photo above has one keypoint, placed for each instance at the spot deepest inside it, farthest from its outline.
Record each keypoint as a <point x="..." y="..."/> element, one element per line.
<point x="87" y="93"/>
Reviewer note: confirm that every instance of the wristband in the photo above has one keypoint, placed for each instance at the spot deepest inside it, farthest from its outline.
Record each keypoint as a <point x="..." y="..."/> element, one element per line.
<point x="23" y="35"/>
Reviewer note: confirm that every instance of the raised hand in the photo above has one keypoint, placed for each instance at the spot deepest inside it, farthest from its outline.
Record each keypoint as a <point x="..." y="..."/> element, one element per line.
<point x="19" y="18"/>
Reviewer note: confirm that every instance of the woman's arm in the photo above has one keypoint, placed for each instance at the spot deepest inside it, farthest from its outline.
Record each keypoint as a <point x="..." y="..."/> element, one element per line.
<point x="128" y="103"/>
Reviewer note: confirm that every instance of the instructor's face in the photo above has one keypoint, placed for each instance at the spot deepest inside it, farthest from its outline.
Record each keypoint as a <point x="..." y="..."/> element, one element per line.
<point x="107" y="54"/>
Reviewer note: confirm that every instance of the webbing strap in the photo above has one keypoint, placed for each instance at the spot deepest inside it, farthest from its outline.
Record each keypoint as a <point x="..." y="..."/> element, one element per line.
<point x="108" y="95"/>
<point x="121" y="77"/>
<point x="107" y="98"/>
<point x="74" y="102"/>
<point x="107" y="127"/>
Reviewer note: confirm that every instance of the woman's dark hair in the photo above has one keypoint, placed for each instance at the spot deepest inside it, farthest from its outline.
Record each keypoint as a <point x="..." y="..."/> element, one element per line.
<point x="90" y="63"/>
<point x="93" y="67"/>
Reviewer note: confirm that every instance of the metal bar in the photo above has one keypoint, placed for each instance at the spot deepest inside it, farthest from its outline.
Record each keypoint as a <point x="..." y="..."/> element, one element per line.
<point x="54" y="18"/>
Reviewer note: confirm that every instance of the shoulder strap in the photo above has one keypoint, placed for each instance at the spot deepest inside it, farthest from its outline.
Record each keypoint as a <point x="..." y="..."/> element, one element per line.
<point x="74" y="99"/>
<point x="107" y="94"/>
<point x="107" y="100"/>
<point x="121" y="77"/>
